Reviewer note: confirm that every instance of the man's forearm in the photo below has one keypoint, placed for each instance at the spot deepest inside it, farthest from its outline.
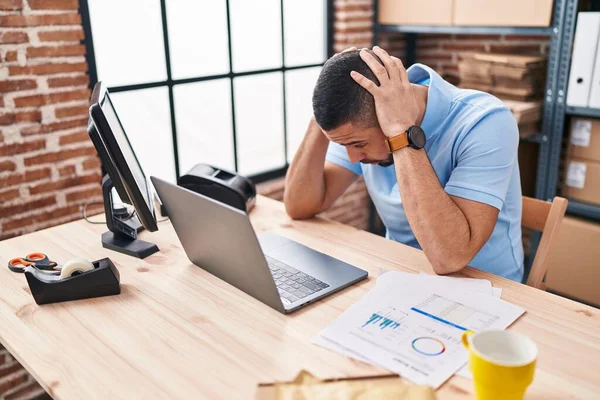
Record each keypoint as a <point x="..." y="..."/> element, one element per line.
<point x="439" y="225"/>
<point x="304" y="181"/>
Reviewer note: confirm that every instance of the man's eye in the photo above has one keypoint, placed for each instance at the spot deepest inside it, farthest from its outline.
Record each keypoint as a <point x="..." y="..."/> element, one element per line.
<point x="359" y="146"/>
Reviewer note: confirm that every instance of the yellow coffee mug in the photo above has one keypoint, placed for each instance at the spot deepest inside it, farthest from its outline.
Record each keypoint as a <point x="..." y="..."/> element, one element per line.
<point x="502" y="363"/>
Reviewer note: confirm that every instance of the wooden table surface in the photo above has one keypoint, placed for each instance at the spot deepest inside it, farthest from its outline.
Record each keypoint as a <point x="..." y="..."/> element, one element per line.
<point x="176" y="331"/>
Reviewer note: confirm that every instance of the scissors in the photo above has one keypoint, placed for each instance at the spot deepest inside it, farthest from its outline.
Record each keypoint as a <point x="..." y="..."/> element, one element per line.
<point x="37" y="260"/>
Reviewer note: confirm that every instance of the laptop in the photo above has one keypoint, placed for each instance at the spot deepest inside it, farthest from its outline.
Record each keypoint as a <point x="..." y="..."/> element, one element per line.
<point x="275" y="270"/>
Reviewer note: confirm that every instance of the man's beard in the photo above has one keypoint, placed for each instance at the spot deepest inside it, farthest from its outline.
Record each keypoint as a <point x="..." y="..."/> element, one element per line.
<point x="383" y="163"/>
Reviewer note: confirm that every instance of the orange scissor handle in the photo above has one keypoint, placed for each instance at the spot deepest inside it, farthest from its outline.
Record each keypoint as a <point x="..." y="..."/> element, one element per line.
<point x="20" y="261"/>
<point x="38" y="260"/>
<point x="36" y="257"/>
<point x="18" y="264"/>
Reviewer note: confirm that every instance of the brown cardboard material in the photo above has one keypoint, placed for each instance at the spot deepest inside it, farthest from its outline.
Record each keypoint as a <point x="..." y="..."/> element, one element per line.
<point x="582" y="181"/>
<point x="529" y="128"/>
<point x="516" y="93"/>
<point x="584" y="139"/>
<point x="511" y="60"/>
<point x="513" y="94"/>
<point x="525" y="112"/>
<point x="516" y="77"/>
<point x="416" y="12"/>
<point x="512" y="72"/>
<point x="475" y="70"/>
<point x="529" y="81"/>
<point x="503" y="12"/>
<point x="574" y="267"/>
<point x="306" y="386"/>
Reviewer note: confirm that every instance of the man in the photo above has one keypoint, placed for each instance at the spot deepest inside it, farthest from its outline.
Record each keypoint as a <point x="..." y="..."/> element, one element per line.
<point x="439" y="162"/>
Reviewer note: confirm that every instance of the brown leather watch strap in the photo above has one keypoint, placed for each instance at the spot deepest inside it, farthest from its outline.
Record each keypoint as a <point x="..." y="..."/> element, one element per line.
<point x="397" y="142"/>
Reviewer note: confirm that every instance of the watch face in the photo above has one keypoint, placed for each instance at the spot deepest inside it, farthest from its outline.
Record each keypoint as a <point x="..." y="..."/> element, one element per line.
<point x="416" y="137"/>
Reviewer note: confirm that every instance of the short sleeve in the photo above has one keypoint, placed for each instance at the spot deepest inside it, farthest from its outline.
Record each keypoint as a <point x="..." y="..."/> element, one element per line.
<point x="336" y="153"/>
<point x="485" y="160"/>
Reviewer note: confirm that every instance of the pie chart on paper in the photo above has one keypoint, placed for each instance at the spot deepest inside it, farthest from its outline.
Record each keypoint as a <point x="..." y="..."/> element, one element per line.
<point x="428" y="346"/>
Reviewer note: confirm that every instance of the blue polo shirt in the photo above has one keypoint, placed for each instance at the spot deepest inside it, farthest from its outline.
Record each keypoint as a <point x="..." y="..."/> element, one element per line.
<point x="472" y="143"/>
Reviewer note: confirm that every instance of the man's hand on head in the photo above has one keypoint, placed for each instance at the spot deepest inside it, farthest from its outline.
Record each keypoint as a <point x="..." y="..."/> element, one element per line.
<point x="395" y="102"/>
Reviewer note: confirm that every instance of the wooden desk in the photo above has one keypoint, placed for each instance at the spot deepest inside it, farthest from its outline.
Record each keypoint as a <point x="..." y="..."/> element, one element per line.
<point x="178" y="332"/>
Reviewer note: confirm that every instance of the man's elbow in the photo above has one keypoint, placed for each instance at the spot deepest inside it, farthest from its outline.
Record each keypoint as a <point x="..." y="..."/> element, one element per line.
<point x="448" y="265"/>
<point x="294" y="211"/>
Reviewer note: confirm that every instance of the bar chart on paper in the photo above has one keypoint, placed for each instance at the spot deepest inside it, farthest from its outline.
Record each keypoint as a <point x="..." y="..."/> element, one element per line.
<point x="382" y="322"/>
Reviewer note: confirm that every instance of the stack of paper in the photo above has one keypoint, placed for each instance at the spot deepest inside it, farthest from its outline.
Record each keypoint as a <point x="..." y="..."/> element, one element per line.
<point x="412" y="324"/>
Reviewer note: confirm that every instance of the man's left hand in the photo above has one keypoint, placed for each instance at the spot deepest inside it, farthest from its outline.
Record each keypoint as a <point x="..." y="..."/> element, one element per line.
<point x="395" y="102"/>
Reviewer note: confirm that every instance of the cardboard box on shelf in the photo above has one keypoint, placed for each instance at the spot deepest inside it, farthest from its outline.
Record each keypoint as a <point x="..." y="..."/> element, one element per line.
<point x="574" y="267"/>
<point x="582" y="180"/>
<point x="503" y="12"/>
<point x="584" y="139"/>
<point x="415" y="12"/>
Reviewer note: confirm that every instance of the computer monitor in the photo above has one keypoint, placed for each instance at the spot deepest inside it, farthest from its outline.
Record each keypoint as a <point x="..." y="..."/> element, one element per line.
<point x="124" y="173"/>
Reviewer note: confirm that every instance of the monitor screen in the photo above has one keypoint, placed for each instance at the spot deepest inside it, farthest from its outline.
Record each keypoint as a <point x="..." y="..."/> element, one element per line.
<point x="125" y="146"/>
<point x="114" y="149"/>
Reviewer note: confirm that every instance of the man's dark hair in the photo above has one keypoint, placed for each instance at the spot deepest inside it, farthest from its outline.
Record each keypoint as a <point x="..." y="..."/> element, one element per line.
<point x="338" y="99"/>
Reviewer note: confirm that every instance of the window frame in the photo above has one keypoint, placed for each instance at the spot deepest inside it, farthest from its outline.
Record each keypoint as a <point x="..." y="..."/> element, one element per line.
<point x="170" y="82"/>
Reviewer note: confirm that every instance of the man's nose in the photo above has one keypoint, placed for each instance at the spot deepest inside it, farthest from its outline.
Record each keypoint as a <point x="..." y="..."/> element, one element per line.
<point x="354" y="155"/>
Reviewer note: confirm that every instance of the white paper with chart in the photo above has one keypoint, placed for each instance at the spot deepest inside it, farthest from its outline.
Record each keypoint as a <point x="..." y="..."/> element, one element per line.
<point x="415" y="330"/>
<point x="395" y="279"/>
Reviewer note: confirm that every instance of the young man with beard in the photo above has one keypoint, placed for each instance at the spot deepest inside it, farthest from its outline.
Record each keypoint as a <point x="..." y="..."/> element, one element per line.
<point x="439" y="162"/>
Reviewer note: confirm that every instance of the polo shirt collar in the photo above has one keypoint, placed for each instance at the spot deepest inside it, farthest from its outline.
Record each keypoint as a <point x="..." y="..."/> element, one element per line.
<point x="439" y="98"/>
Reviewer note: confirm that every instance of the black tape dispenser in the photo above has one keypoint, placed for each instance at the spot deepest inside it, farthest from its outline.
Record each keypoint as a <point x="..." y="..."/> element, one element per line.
<point x="224" y="186"/>
<point x="78" y="279"/>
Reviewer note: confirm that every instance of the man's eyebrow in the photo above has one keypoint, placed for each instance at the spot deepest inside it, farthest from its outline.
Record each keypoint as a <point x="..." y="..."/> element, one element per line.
<point x="352" y="143"/>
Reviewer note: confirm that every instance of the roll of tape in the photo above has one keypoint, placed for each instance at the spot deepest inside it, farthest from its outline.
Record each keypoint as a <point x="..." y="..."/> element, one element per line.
<point x="76" y="265"/>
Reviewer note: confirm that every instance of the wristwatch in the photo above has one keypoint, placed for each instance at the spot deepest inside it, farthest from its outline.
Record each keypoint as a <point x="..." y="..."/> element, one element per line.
<point x="413" y="137"/>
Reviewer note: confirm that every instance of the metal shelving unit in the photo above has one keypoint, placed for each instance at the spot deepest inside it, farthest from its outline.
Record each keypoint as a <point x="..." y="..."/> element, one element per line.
<point x="583" y="112"/>
<point x="561" y="112"/>
<point x="585" y="210"/>
<point x="473" y="30"/>
<point x="550" y="136"/>
<point x="535" y="138"/>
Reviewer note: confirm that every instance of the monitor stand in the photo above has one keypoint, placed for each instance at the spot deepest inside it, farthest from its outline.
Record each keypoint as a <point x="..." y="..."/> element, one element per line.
<point x="122" y="235"/>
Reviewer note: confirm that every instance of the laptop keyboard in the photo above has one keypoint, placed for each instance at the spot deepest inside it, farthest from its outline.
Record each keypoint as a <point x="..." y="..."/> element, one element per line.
<point x="292" y="284"/>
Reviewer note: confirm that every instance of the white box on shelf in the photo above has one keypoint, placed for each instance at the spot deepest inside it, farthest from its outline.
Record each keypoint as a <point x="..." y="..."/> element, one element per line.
<point x="594" y="101"/>
<point x="584" y="55"/>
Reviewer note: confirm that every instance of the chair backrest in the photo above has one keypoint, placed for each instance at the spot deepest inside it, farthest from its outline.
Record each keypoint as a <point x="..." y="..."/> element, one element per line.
<point x="544" y="217"/>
